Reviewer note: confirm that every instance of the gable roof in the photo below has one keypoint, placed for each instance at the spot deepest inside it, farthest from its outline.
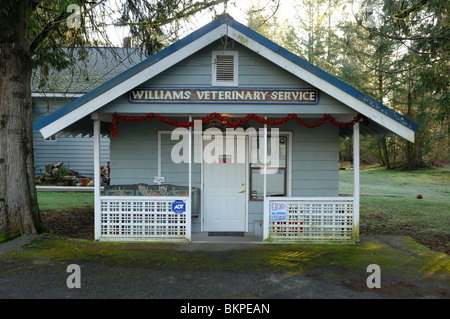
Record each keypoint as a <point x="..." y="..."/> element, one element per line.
<point x="226" y="26"/>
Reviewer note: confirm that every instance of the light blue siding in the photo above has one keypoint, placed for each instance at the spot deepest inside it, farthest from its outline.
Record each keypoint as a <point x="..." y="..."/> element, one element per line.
<point x="315" y="162"/>
<point x="75" y="152"/>
<point x="173" y="173"/>
<point x="134" y="154"/>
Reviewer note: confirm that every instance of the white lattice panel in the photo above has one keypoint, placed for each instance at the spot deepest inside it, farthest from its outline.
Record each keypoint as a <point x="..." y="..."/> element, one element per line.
<point x="141" y="218"/>
<point x="314" y="220"/>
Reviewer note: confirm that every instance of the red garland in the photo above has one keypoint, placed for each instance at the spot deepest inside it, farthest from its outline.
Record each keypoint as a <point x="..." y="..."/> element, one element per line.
<point x="326" y="117"/>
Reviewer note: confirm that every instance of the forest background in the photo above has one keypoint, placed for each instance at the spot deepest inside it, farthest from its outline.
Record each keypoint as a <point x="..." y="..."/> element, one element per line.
<point x="394" y="51"/>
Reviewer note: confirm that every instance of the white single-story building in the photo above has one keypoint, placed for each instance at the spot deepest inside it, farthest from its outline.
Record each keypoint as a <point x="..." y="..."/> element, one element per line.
<point x="225" y="132"/>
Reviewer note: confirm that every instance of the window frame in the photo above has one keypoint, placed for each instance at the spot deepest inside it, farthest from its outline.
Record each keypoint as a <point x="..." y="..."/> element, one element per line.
<point x="235" y="81"/>
<point x="287" y="169"/>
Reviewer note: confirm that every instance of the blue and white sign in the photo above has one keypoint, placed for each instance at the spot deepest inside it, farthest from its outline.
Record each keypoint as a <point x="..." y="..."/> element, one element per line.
<point x="158" y="179"/>
<point x="278" y="212"/>
<point x="178" y="207"/>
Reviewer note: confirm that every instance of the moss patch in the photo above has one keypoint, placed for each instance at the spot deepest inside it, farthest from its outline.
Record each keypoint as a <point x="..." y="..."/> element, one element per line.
<point x="399" y="255"/>
<point x="8" y="235"/>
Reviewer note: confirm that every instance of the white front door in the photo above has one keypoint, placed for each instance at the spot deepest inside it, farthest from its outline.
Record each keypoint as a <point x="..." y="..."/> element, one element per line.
<point x="224" y="191"/>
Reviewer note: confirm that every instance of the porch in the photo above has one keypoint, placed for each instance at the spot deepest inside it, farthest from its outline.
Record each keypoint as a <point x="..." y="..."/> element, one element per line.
<point x="283" y="219"/>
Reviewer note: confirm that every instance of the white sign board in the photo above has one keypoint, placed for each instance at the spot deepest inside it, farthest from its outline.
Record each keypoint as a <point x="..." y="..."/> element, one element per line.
<point x="278" y="212"/>
<point x="158" y="179"/>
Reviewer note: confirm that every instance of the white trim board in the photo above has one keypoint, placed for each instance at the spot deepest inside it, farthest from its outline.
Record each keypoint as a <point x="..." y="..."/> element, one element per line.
<point x="67" y="95"/>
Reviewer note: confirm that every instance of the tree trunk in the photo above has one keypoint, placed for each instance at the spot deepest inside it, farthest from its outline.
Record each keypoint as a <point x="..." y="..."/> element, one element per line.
<point x="18" y="199"/>
<point x="383" y="143"/>
<point x="380" y="152"/>
<point x="387" y="162"/>
<point x="410" y="157"/>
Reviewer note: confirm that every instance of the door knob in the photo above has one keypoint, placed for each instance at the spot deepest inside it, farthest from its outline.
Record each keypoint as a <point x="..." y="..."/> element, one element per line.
<point x="241" y="191"/>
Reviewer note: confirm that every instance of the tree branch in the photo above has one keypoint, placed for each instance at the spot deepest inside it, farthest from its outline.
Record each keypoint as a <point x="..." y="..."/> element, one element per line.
<point x="404" y="13"/>
<point x="49" y="27"/>
<point x="54" y="24"/>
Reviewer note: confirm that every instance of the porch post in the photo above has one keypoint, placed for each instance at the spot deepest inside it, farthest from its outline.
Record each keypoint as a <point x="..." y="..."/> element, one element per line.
<point x="97" y="180"/>
<point x="265" y="158"/>
<point x="265" y="202"/>
<point x="188" y="208"/>
<point x="356" y="192"/>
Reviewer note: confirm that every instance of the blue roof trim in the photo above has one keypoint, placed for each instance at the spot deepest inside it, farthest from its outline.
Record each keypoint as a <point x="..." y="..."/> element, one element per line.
<point x="225" y="19"/>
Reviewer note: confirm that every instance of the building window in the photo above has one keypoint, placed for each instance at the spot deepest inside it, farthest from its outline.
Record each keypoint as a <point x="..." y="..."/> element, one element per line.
<point x="225" y="68"/>
<point x="277" y="175"/>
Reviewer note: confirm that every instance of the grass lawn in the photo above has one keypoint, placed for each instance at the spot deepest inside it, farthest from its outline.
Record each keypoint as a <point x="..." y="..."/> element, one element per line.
<point x="430" y="183"/>
<point x="64" y="200"/>
<point x="426" y="220"/>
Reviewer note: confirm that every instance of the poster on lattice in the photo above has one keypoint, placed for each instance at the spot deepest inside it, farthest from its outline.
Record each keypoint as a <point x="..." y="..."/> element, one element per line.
<point x="278" y="212"/>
